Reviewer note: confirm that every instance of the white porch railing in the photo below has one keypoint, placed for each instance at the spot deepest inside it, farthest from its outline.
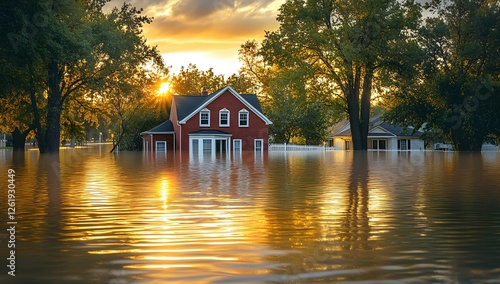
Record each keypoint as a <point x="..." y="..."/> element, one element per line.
<point x="293" y="147"/>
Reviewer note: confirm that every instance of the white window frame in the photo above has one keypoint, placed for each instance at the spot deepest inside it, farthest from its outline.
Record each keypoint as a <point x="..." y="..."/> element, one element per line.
<point x="205" y="111"/>
<point x="194" y="148"/>
<point x="234" y="145"/>
<point x="211" y="146"/>
<point x="160" y="142"/>
<point x="243" y="111"/>
<point x="206" y="145"/>
<point x="224" y="111"/>
<point x="261" y="144"/>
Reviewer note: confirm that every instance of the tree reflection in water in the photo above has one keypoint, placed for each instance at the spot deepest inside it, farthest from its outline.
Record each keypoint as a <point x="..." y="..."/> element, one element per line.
<point x="355" y="226"/>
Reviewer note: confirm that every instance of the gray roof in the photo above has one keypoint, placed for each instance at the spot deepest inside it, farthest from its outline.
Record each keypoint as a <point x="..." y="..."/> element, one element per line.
<point x="393" y="129"/>
<point x="166" y="126"/>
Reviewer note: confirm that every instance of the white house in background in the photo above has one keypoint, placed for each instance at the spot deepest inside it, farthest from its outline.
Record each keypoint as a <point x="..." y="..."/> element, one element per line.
<point x="381" y="136"/>
<point x="3" y="139"/>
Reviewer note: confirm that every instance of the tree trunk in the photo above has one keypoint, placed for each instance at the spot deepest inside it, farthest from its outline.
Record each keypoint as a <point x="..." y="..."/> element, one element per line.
<point x="122" y="134"/>
<point x="463" y="140"/>
<point x="359" y="113"/>
<point x="357" y="142"/>
<point x="365" y="108"/>
<point x="53" y="130"/>
<point x="37" y="124"/>
<point x="120" y="137"/>
<point x="18" y="140"/>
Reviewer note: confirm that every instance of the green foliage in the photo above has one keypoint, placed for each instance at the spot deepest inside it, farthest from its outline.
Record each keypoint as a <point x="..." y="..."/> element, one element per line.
<point x="143" y="119"/>
<point x="241" y="83"/>
<point x="69" y="56"/>
<point x="352" y="45"/>
<point x="298" y="102"/>
<point x="314" y="123"/>
<point x="456" y="93"/>
<point x="283" y="107"/>
<point x="191" y="81"/>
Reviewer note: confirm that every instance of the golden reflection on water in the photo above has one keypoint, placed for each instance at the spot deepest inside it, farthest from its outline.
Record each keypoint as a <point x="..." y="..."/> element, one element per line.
<point x="296" y="217"/>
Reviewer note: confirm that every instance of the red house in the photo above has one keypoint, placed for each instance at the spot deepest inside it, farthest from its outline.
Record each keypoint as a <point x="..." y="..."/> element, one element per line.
<point x="220" y="122"/>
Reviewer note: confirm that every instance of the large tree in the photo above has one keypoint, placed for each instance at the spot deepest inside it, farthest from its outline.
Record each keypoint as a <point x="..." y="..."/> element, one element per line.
<point x="297" y="100"/>
<point x="65" y="50"/>
<point x="350" y="43"/>
<point x="191" y="81"/>
<point x="457" y="93"/>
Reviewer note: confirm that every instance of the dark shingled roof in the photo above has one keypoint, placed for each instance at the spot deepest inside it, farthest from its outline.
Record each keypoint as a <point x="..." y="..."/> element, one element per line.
<point x="186" y="104"/>
<point x="395" y="130"/>
<point x="166" y="126"/>
<point x="253" y="100"/>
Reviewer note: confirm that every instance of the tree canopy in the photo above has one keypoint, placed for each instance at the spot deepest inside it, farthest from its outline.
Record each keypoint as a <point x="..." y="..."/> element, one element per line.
<point x="68" y="53"/>
<point x="351" y="44"/>
<point x="456" y="92"/>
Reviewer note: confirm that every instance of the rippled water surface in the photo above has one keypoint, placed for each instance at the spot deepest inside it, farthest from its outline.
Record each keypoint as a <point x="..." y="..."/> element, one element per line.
<point x="87" y="216"/>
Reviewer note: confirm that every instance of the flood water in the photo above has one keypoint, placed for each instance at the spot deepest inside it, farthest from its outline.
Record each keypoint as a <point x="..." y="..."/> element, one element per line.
<point x="87" y="216"/>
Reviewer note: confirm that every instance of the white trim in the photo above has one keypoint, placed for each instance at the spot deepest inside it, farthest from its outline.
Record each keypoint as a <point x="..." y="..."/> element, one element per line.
<point x="165" y="132"/>
<point x="239" y="118"/>
<point x="205" y="110"/>
<point x="225" y="110"/>
<point x="180" y="136"/>
<point x="213" y="142"/>
<point x="151" y="141"/>
<point x="160" y="142"/>
<point x="234" y="145"/>
<point x="261" y="144"/>
<point x="219" y="93"/>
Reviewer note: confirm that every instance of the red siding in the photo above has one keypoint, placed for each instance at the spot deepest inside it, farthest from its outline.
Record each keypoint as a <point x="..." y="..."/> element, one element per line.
<point x="177" y="127"/>
<point x="160" y="137"/>
<point x="257" y="128"/>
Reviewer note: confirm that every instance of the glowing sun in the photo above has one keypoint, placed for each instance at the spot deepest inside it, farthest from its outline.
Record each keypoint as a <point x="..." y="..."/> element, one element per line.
<point x="164" y="88"/>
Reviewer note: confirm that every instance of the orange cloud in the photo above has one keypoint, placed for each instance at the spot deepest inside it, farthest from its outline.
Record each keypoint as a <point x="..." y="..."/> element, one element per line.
<point x="209" y="27"/>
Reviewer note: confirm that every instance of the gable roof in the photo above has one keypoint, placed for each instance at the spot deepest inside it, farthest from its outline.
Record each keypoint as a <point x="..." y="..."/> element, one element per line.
<point x="387" y="129"/>
<point x="188" y="106"/>
<point x="395" y="129"/>
<point x="164" y="128"/>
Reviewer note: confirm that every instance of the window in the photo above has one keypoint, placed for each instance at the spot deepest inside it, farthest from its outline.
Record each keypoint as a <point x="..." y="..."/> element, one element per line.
<point x="207" y="146"/>
<point x="347" y="145"/>
<point x="259" y="144"/>
<point x="223" y="117"/>
<point x="404" y="144"/>
<point x="161" y="146"/>
<point x="194" y="146"/>
<point x="381" y="145"/>
<point x="378" y="144"/>
<point x="205" y="117"/>
<point x="243" y="118"/>
<point x="236" y="145"/>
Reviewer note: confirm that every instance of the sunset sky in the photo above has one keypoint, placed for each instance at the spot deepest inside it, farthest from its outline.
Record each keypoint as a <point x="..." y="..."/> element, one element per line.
<point x="207" y="33"/>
